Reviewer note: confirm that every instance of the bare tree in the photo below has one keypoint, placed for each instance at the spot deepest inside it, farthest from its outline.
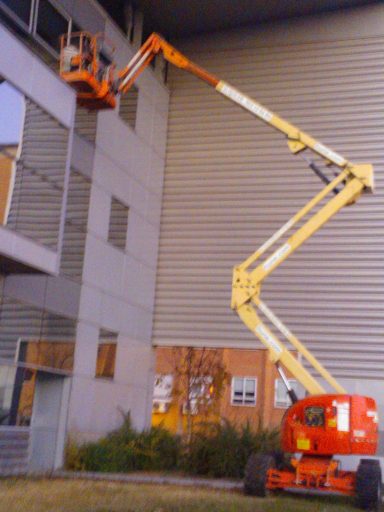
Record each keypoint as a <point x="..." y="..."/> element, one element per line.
<point x="199" y="380"/>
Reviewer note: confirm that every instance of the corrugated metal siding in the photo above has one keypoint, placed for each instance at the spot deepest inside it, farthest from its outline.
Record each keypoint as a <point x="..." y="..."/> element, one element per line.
<point x="14" y="450"/>
<point x="75" y="231"/>
<point x="86" y="123"/>
<point x="18" y="320"/>
<point x="230" y="182"/>
<point x="38" y="190"/>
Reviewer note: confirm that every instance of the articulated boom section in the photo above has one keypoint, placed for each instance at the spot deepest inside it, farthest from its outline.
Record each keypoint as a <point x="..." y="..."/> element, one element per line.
<point x="97" y="84"/>
<point x="246" y="283"/>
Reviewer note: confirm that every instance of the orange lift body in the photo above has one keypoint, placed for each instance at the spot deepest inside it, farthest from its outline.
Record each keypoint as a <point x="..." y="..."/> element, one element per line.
<point x="318" y="426"/>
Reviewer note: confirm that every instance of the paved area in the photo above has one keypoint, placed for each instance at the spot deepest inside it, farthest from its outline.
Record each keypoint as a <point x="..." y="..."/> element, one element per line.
<point x="145" y="478"/>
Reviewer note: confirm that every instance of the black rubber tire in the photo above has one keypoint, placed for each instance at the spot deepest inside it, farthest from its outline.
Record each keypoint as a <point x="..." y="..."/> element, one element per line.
<point x="368" y="485"/>
<point x="255" y="474"/>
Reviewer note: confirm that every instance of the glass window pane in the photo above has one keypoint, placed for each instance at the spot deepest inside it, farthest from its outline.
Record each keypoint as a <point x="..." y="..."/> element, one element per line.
<point x="50" y="24"/>
<point x="280" y="391"/>
<point x="163" y="387"/>
<point x="249" y="386"/>
<point x="295" y="386"/>
<point x="238" y="385"/>
<point x="22" y="8"/>
<point x="106" y="354"/>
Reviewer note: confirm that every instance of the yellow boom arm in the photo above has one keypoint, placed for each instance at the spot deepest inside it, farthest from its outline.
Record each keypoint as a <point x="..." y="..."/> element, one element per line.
<point x="246" y="283"/>
<point x="349" y="183"/>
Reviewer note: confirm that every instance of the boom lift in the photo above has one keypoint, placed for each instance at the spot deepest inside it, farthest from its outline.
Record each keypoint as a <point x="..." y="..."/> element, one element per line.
<point x="322" y="424"/>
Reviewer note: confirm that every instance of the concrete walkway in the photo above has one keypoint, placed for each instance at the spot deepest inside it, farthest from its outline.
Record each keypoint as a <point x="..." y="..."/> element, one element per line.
<point x="145" y="478"/>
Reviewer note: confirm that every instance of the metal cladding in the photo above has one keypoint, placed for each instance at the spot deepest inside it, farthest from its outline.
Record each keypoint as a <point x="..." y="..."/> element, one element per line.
<point x="231" y="182"/>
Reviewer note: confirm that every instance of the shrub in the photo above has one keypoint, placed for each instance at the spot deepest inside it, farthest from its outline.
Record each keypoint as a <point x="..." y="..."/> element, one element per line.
<point x="219" y="450"/>
<point x="125" y="449"/>
<point x="222" y="450"/>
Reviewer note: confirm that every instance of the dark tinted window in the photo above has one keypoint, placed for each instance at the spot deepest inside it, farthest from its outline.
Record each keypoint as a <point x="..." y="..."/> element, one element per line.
<point x="22" y="8"/>
<point x="118" y="224"/>
<point x="51" y="24"/>
<point x="128" y="106"/>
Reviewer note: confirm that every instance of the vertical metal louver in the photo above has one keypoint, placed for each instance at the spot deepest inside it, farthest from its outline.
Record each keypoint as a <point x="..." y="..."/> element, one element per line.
<point x="230" y="182"/>
<point x="21" y="321"/>
<point x="128" y="106"/>
<point x="118" y="224"/>
<point x="75" y="230"/>
<point x="86" y="123"/>
<point x="38" y="190"/>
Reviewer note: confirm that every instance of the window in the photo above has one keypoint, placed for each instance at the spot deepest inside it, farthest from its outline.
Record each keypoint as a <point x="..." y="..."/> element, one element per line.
<point x="118" y="224"/>
<point x="199" y="394"/>
<point x="30" y="336"/>
<point x="45" y="20"/>
<point x="243" y="391"/>
<point x="21" y="8"/>
<point x="33" y="171"/>
<point x="128" y="106"/>
<point x="51" y="24"/>
<point x="106" y="354"/>
<point x="282" y="400"/>
<point x="162" y="393"/>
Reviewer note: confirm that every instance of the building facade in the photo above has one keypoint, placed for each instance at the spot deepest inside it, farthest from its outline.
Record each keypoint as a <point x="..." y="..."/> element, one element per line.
<point x="119" y="230"/>
<point x="81" y="218"/>
<point x="251" y="391"/>
<point x="231" y="182"/>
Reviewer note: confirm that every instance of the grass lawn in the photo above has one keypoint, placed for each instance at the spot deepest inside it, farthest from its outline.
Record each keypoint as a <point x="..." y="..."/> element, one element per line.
<point x="19" y="495"/>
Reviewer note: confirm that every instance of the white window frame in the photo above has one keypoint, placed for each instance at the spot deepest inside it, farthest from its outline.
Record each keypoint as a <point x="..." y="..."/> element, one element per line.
<point x="243" y="403"/>
<point x="162" y="400"/>
<point x="62" y="13"/>
<point x="26" y="26"/>
<point x="279" y="405"/>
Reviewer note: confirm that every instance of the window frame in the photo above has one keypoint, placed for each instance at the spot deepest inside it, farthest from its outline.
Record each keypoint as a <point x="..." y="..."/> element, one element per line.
<point x="61" y="11"/>
<point x="31" y="27"/>
<point x="9" y="12"/>
<point x="110" y="338"/>
<point x="276" y="404"/>
<point x="110" y="237"/>
<point x="135" y="89"/>
<point x="198" y="392"/>
<point x="161" y="404"/>
<point x="244" y="379"/>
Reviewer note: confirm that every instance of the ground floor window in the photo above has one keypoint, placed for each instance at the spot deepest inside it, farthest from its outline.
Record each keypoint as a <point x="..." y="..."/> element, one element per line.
<point x="243" y="391"/>
<point x="162" y="394"/>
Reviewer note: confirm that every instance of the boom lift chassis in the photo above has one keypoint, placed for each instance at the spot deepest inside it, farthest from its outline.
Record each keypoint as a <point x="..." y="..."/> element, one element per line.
<point x="321" y="424"/>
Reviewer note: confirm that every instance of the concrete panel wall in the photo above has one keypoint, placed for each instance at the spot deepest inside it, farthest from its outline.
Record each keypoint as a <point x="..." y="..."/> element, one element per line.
<point x="115" y="290"/>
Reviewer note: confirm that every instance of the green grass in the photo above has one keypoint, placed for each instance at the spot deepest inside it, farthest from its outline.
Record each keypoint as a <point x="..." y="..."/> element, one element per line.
<point x="19" y="495"/>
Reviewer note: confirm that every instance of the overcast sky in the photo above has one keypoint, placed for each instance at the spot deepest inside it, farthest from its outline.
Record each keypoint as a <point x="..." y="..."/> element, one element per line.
<point x="11" y="114"/>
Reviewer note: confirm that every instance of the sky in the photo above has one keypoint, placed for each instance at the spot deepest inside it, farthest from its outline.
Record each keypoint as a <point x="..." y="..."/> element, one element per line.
<point x="11" y="114"/>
